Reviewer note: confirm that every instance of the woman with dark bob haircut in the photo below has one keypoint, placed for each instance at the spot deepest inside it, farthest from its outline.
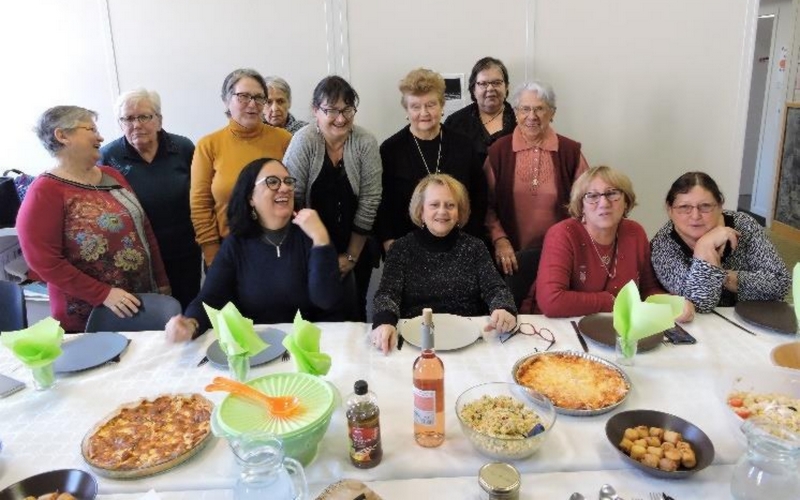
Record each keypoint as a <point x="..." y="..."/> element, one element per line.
<point x="338" y="169"/>
<point x="273" y="263"/>
<point x="490" y="116"/>
<point x="711" y="256"/>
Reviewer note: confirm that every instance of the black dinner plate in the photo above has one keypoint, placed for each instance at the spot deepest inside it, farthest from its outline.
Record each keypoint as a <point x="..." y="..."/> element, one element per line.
<point x="271" y="336"/>
<point x="599" y="327"/>
<point x="89" y="351"/>
<point x="76" y="482"/>
<point x="771" y="314"/>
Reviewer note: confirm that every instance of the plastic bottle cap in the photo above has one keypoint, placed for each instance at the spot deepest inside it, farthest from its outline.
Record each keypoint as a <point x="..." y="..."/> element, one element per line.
<point x="360" y="387"/>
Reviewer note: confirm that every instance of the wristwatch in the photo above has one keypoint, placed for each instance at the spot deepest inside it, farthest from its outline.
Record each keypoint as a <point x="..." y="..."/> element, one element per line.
<point x="350" y="258"/>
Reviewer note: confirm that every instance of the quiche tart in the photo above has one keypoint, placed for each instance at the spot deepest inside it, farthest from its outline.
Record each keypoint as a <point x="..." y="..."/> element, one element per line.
<point x="576" y="383"/>
<point x="148" y="436"/>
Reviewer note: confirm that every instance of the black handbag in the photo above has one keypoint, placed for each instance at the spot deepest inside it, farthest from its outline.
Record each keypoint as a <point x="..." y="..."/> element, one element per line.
<point x="9" y="201"/>
<point x="12" y="192"/>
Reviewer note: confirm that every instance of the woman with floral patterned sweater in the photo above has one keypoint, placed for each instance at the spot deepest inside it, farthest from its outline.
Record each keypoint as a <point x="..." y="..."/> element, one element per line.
<point x="81" y="228"/>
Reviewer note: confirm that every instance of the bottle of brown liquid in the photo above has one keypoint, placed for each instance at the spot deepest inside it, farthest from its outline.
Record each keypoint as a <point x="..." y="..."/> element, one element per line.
<point x="363" y="425"/>
<point x="428" y="389"/>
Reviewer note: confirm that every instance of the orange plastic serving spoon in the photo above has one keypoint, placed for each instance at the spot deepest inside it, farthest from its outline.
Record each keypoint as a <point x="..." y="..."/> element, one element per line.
<point x="278" y="406"/>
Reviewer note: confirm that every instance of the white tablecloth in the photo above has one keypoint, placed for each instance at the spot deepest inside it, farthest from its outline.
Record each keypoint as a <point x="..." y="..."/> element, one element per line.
<point x="43" y="430"/>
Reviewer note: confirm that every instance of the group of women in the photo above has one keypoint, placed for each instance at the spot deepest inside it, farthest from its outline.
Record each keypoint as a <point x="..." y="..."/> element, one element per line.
<point x="287" y="216"/>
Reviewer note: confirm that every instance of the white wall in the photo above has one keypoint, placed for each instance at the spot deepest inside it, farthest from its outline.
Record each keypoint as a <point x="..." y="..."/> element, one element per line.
<point x="653" y="88"/>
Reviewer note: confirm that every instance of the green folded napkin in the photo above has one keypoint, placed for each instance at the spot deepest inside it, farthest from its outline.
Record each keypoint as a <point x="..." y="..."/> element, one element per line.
<point x="796" y="290"/>
<point x="234" y="332"/>
<point x="303" y="344"/>
<point x="38" y="345"/>
<point x="634" y="319"/>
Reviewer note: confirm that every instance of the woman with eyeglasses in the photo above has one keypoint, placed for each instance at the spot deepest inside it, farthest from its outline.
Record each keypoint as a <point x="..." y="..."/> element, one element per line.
<point x="529" y="174"/>
<point x="587" y="258"/>
<point x="424" y="147"/>
<point x="490" y="116"/>
<point x="156" y="163"/>
<point x="275" y="262"/>
<point x="338" y="169"/>
<point x="82" y="229"/>
<point x="439" y="266"/>
<point x="219" y="156"/>
<point x="711" y="256"/>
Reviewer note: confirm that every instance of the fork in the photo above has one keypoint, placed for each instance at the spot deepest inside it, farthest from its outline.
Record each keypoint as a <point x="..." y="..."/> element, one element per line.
<point x="654" y="495"/>
<point x="286" y="356"/>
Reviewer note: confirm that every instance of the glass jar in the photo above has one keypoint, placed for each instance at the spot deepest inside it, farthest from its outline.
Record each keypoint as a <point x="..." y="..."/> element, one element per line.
<point x="771" y="466"/>
<point x="499" y="481"/>
<point x="266" y="473"/>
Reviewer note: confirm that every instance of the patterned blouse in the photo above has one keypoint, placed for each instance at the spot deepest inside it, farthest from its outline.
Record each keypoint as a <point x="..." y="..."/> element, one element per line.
<point x="762" y="272"/>
<point x="83" y="240"/>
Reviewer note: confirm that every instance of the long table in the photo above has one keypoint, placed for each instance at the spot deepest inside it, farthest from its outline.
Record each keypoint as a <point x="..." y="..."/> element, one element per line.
<point x="43" y="430"/>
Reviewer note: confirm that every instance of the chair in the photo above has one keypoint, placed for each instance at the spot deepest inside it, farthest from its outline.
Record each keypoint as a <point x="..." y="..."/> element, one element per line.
<point x="155" y="311"/>
<point x="520" y="282"/>
<point x="13" y="313"/>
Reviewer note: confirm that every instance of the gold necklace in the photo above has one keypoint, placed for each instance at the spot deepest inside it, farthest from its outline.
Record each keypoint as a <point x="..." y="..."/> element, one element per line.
<point x="438" y="155"/>
<point x="605" y="260"/>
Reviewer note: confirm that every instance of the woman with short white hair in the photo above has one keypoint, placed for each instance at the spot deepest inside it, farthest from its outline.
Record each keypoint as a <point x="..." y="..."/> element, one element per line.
<point x="157" y="164"/>
<point x="279" y="100"/>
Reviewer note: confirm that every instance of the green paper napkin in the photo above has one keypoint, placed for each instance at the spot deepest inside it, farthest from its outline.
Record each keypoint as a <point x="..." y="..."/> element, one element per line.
<point x="234" y="332"/>
<point x="38" y="345"/>
<point x="303" y="344"/>
<point x="796" y="290"/>
<point x="634" y="319"/>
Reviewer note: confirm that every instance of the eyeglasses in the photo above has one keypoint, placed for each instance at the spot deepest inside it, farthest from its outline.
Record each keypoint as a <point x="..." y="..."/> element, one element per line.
<point x="428" y="106"/>
<point x="273" y="182"/>
<point x="594" y="198"/>
<point x="490" y="83"/>
<point x="142" y="119"/>
<point x="90" y="129"/>
<point x="528" y="329"/>
<point x="703" y="208"/>
<point x="245" y="98"/>
<point x="526" y="110"/>
<point x="334" y="113"/>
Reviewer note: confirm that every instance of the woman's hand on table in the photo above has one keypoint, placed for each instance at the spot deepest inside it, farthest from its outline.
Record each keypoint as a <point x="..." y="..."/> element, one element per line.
<point x="505" y="256"/>
<point x="122" y="303"/>
<point x="181" y="328"/>
<point x="384" y="338"/>
<point x="501" y="321"/>
<point x="688" y="312"/>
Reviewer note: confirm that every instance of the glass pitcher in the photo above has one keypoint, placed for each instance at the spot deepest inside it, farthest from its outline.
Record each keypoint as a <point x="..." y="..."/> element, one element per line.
<point x="770" y="469"/>
<point x="265" y="471"/>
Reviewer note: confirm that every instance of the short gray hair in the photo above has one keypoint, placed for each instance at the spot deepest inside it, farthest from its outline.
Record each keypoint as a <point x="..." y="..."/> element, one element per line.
<point x="233" y="78"/>
<point x="63" y="117"/>
<point x="279" y="83"/>
<point x="136" y="95"/>
<point x="543" y="90"/>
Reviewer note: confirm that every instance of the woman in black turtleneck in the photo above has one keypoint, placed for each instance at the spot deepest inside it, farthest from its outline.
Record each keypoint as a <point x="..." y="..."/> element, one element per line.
<point x="439" y="266"/>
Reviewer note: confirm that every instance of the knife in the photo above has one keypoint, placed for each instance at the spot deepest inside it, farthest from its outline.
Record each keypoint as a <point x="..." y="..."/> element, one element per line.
<point x="737" y="325"/>
<point x="580" y="336"/>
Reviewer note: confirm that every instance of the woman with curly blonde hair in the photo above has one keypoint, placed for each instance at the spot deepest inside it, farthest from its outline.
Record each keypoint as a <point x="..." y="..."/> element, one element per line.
<point x="425" y="146"/>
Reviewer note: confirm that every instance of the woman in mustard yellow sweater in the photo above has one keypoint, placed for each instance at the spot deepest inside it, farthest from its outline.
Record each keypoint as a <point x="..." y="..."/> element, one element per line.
<point x="221" y="155"/>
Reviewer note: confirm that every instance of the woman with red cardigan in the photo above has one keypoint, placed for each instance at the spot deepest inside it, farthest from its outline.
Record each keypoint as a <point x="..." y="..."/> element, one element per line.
<point x="589" y="257"/>
<point x="81" y="228"/>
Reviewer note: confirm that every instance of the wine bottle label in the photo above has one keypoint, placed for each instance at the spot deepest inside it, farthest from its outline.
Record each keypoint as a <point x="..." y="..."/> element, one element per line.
<point x="424" y="407"/>
<point x="363" y="443"/>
